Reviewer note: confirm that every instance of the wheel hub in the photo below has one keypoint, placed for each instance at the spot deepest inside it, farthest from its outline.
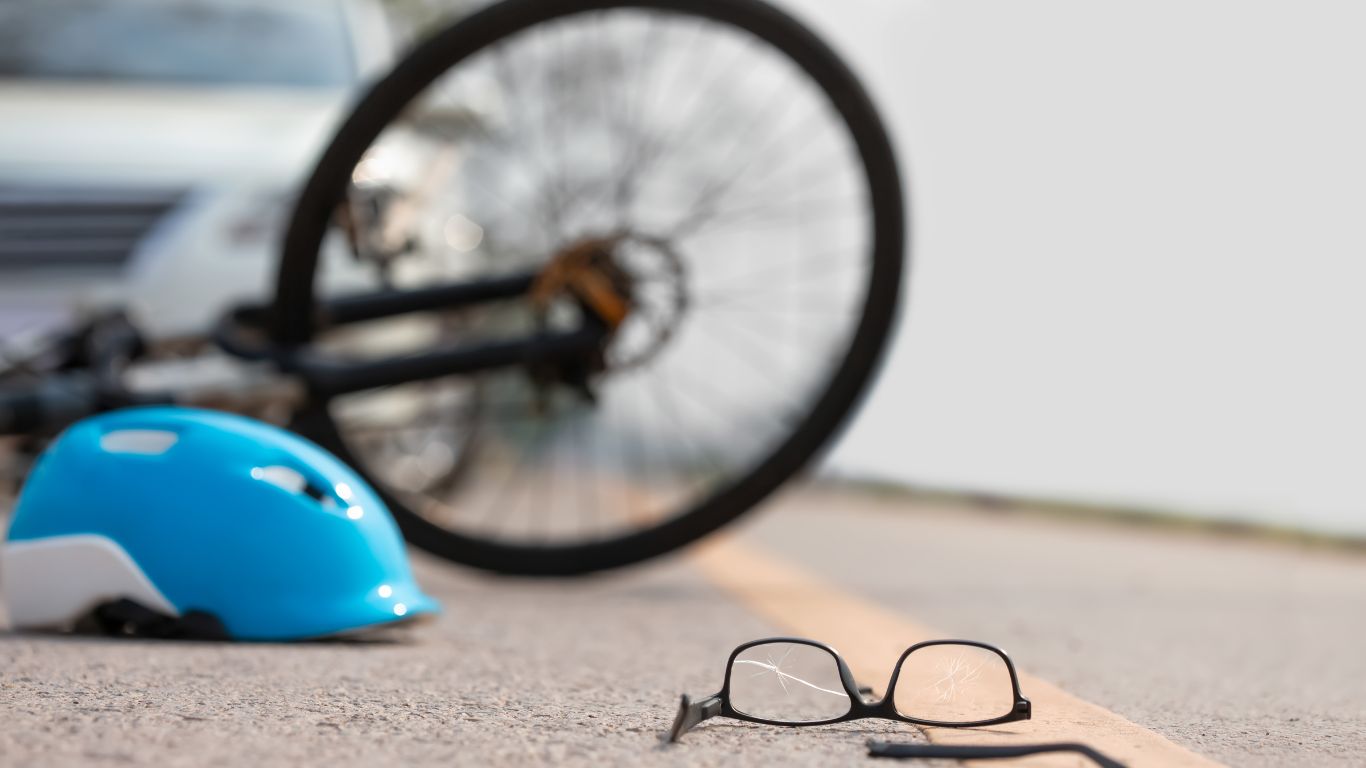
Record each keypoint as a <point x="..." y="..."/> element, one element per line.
<point x="631" y="284"/>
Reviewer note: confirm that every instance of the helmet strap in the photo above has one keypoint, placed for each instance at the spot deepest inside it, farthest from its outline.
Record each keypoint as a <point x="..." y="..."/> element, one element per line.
<point x="129" y="618"/>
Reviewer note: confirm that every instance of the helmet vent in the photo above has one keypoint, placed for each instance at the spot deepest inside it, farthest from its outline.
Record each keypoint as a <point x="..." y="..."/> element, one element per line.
<point x="284" y="477"/>
<point x="290" y="480"/>
<point x="144" y="442"/>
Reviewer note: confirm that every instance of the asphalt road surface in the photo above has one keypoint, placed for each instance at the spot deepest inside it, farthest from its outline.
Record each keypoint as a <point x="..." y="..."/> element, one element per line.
<point x="1241" y="651"/>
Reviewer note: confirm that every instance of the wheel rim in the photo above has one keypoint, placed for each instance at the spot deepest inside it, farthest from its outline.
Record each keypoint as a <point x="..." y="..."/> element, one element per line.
<point x="765" y="359"/>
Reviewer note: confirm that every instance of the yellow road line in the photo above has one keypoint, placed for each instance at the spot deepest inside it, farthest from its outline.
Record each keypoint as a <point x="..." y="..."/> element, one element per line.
<point x="871" y="638"/>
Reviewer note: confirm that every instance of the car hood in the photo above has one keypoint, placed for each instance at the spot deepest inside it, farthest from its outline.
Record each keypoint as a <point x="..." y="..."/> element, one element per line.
<point x="58" y="134"/>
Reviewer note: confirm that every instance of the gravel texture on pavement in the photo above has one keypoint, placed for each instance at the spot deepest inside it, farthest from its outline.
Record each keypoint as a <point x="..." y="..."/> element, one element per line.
<point x="1245" y="651"/>
<point x="514" y="673"/>
<point x="1248" y="651"/>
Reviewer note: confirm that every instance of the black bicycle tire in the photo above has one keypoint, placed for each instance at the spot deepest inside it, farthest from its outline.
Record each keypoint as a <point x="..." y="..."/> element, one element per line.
<point x="292" y="313"/>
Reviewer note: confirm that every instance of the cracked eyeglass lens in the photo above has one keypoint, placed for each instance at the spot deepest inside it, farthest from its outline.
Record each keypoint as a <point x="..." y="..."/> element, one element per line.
<point x="951" y="683"/>
<point x="787" y="682"/>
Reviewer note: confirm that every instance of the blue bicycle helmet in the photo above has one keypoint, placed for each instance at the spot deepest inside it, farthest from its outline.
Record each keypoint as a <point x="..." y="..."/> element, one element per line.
<point x="181" y="522"/>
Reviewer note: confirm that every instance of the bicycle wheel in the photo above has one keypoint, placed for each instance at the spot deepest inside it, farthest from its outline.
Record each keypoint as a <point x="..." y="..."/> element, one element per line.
<point x="744" y="199"/>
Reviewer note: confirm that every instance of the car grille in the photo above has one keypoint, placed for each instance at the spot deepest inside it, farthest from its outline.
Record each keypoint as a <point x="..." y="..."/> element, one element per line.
<point x="64" y="229"/>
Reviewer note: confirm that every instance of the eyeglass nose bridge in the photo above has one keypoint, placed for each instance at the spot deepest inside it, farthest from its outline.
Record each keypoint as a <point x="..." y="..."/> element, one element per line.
<point x="869" y="704"/>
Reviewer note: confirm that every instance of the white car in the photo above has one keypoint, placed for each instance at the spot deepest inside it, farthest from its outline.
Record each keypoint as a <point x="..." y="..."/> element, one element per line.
<point x="149" y="149"/>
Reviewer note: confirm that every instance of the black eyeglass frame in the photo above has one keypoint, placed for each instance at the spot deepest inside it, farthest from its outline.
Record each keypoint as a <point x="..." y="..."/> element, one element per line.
<point x="861" y="707"/>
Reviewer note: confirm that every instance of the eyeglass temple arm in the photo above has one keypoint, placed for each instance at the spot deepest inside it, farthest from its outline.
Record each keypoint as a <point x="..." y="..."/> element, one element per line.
<point x="973" y="752"/>
<point x="690" y="713"/>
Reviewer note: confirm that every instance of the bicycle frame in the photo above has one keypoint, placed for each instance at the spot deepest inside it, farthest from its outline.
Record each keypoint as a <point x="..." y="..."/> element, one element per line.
<point x="242" y="334"/>
<point x="96" y="384"/>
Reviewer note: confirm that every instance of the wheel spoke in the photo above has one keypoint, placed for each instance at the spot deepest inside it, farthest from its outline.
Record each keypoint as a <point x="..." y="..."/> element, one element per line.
<point x="737" y="212"/>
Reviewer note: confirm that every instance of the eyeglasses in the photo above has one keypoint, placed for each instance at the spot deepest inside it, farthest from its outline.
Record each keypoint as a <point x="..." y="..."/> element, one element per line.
<point x="792" y="681"/>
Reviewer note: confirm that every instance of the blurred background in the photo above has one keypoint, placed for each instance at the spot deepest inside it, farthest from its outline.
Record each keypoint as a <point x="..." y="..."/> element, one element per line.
<point x="1136" y="243"/>
<point x="1136" y="253"/>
